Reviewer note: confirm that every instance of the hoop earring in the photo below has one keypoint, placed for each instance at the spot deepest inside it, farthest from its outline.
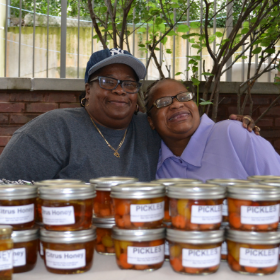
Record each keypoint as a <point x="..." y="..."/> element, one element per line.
<point x="137" y="109"/>
<point x="82" y="102"/>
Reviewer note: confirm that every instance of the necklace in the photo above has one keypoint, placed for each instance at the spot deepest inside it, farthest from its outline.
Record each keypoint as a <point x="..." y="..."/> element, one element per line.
<point x="116" y="153"/>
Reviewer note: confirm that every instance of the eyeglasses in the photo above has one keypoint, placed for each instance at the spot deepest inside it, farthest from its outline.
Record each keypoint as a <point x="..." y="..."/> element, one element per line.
<point x="111" y="83"/>
<point x="168" y="100"/>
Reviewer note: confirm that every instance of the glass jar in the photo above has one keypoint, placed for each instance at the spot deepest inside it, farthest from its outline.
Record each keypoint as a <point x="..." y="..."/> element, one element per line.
<point x="17" y="206"/>
<point x="225" y="183"/>
<point x="252" y="252"/>
<point x="103" y="203"/>
<point x="195" y="252"/>
<point x="224" y="251"/>
<point x="172" y="181"/>
<point x="196" y="207"/>
<point x="258" y="212"/>
<point x="139" y="205"/>
<point x="68" y="252"/>
<point x="104" y="241"/>
<point x="259" y="178"/>
<point x="139" y="249"/>
<point x="25" y="249"/>
<point x="66" y="207"/>
<point x="6" y="252"/>
<point x="166" y="243"/>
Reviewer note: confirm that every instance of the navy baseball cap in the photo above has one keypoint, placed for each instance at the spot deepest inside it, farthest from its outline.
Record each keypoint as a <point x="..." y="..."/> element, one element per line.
<point x="106" y="57"/>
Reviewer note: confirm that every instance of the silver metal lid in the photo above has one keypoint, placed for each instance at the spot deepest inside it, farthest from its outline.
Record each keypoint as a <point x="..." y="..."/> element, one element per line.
<point x="67" y="191"/>
<point x="57" y="182"/>
<point x="25" y="235"/>
<point x="271" y="182"/>
<point x="68" y="237"/>
<point x="103" y="222"/>
<point x="172" y="181"/>
<point x="15" y="192"/>
<point x="138" y="234"/>
<point x="195" y="237"/>
<point x="106" y="183"/>
<point x="253" y="237"/>
<point x="254" y="192"/>
<point x="200" y="191"/>
<point x="258" y="178"/>
<point x="228" y="182"/>
<point x="138" y="190"/>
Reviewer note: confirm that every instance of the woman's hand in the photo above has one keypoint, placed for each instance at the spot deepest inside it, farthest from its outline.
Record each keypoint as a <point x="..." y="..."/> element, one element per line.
<point x="247" y="122"/>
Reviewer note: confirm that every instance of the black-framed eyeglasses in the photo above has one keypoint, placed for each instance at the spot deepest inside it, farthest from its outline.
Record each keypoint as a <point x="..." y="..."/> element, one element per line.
<point x="168" y="100"/>
<point x="111" y="83"/>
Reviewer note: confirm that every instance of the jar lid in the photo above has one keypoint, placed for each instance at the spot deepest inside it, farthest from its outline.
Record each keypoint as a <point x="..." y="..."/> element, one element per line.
<point x="106" y="183"/>
<point x="200" y="191"/>
<point x="5" y="231"/>
<point x="172" y="181"/>
<point x="70" y="237"/>
<point x="224" y="225"/>
<point x="25" y="235"/>
<point x="103" y="222"/>
<point x="138" y="190"/>
<point x="228" y="182"/>
<point x="254" y="192"/>
<point x="258" y="178"/>
<point x="57" y="182"/>
<point x="253" y="237"/>
<point x="138" y="234"/>
<point x="195" y="237"/>
<point x="14" y="192"/>
<point x="67" y="191"/>
<point x="271" y="182"/>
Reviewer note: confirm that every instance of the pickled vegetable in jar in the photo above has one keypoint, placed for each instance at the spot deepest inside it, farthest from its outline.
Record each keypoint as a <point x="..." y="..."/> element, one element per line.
<point x="68" y="252"/>
<point x="66" y="207"/>
<point x="25" y="249"/>
<point x="139" y="205"/>
<point x="17" y="206"/>
<point x="252" y="252"/>
<point x="195" y="252"/>
<point x="196" y="207"/>
<point x="6" y="252"/>
<point x="103" y="203"/>
<point x="253" y="207"/>
<point x="104" y="241"/>
<point x="141" y="249"/>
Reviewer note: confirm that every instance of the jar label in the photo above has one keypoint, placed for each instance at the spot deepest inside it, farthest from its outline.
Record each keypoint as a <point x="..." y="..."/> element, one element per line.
<point x="146" y="212"/>
<point x="6" y="260"/>
<point x="259" y="257"/>
<point x="19" y="257"/>
<point x="201" y="258"/>
<point x="257" y="215"/>
<point x="145" y="255"/>
<point x="65" y="259"/>
<point x="41" y="249"/>
<point x="225" y="208"/>
<point x="206" y="214"/>
<point x="16" y="214"/>
<point x="166" y="248"/>
<point x="58" y="215"/>
<point x="224" y="248"/>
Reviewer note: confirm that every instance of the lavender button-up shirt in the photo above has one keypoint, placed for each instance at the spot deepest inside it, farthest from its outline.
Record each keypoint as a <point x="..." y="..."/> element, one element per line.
<point x="220" y="150"/>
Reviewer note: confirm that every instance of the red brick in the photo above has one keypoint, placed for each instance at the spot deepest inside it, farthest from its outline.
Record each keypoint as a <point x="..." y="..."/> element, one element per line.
<point x="8" y="130"/>
<point x="261" y="100"/>
<point x="277" y="122"/>
<point x="277" y="144"/>
<point x="69" y="105"/>
<point x="4" y="97"/>
<point x="270" y="133"/>
<point x="4" y="118"/>
<point x="1" y="150"/>
<point x="12" y="107"/>
<point x="26" y="96"/>
<point x="265" y="122"/>
<point x="21" y="118"/>
<point x="4" y="140"/>
<point x="41" y="107"/>
<point x="61" y="97"/>
<point x="275" y="111"/>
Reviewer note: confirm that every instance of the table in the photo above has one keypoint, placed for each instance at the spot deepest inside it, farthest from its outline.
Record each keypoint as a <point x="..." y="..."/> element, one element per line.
<point x="105" y="268"/>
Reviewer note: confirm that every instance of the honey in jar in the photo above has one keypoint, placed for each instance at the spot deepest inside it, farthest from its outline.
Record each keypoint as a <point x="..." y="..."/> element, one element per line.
<point x="195" y="252"/>
<point x="6" y="252"/>
<point x="25" y="249"/>
<point x="139" y="205"/>
<point x="17" y="206"/>
<point x="141" y="249"/>
<point x="68" y="252"/>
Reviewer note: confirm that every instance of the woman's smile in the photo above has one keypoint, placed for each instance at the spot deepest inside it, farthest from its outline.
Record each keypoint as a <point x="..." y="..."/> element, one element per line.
<point x="179" y="116"/>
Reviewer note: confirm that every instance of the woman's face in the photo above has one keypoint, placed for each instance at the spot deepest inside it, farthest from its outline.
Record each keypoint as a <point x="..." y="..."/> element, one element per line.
<point x="176" y="121"/>
<point x="112" y="108"/>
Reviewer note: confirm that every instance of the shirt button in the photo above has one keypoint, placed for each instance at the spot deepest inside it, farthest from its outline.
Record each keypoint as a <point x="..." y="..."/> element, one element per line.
<point x="181" y="161"/>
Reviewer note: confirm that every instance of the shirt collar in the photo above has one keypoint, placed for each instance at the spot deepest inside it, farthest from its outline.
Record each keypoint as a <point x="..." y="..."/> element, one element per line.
<point x="194" y="151"/>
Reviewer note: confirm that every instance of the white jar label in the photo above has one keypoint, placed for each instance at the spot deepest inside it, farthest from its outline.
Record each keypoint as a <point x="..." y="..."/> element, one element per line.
<point x="65" y="259"/>
<point x="6" y="260"/>
<point x="166" y="248"/>
<point x="225" y="208"/>
<point x="258" y="215"/>
<point x="146" y="212"/>
<point x="201" y="258"/>
<point x="224" y="248"/>
<point x="58" y="215"/>
<point x="259" y="257"/>
<point x="145" y="255"/>
<point x="41" y="249"/>
<point x="16" y="214"/>
<point x="206" y="214"/>
<point x="19" y="257"/>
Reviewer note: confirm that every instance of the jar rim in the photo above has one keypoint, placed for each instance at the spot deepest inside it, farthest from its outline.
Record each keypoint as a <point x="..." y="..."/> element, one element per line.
<point x="17" y="191"/>
<point x="106" y="183"/>
<point x="172" y="181"/>
<point x="228" y="182"/>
